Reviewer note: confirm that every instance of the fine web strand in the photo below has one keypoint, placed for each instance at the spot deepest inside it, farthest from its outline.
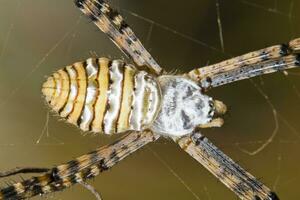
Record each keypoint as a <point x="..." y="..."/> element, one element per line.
<point x="276" y="124"/>
<point x="38" y="65"/>
<point x="176" y="175"/>
<point x="44" y="138"/>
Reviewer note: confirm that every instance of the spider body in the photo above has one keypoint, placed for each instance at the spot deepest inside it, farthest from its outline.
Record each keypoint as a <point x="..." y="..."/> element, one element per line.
<point x="109" y="96"/>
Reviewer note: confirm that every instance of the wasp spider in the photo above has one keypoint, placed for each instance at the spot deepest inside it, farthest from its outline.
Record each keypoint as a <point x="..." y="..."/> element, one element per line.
<point x="112" y="97"/>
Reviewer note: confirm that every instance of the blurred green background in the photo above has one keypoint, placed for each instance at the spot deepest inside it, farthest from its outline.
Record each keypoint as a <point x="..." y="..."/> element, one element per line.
<point x="39" y="37"/>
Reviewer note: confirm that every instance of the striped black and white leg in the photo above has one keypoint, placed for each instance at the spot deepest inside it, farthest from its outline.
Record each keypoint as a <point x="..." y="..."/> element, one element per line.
<point x="80" y="169"/>
<point x="109" y="21"/>
<point x="264" y="61"/>
<point x="241" y="182"/>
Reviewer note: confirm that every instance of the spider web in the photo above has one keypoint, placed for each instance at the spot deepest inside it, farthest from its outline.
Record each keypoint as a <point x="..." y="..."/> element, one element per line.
<point x="261" y="131"/>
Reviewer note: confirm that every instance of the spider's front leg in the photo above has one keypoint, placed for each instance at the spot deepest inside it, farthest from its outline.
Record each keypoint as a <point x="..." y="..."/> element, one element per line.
<point x="80" y="169"/>
<point x="264" y="61"/>
<point x="23" y="170"/>
<point x="110" y="22"/>
<point x="241" y="182"/>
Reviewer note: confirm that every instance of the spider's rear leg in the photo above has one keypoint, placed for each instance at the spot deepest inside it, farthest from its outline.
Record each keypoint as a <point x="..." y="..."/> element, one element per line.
<point x="25" y="170"/>
<point x="241" y="182"/>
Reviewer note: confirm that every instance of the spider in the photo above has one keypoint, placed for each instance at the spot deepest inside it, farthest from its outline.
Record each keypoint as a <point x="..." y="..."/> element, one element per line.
<point x="143" y="101"/>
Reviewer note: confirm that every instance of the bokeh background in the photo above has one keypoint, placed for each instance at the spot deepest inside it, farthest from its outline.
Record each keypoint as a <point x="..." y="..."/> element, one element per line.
<point x="39" y="37"/>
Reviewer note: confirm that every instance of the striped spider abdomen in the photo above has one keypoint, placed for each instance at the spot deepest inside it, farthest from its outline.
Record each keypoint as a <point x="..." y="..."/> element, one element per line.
<point x="103" y="95"/>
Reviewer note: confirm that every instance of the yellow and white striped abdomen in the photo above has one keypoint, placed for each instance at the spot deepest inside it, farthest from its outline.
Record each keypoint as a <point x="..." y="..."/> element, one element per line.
<point x="103" y="95"/>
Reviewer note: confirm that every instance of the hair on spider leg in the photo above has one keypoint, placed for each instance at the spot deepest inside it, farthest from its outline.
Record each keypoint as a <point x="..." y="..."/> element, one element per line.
<point x="295" y="45"/>
<point x="285" y="49"/>
<point x="92" y="15"/>
<point x="93" y="54"/>
<point x="173" y="72"/>
<point x="24" y="170"/>
<point x="271" y="196"/>
<point x="79" y="3"/>
<point x="297" y="62"/>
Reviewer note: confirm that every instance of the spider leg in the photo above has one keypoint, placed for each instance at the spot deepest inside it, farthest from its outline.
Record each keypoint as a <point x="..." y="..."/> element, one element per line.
<point x="242" y="183"/>
<point x="23" y="170"/>
<point x="249" y="71"/>
<point x="80" y="169"/>
<point x="264" y="61"/>
<point x="112" y="23"/>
